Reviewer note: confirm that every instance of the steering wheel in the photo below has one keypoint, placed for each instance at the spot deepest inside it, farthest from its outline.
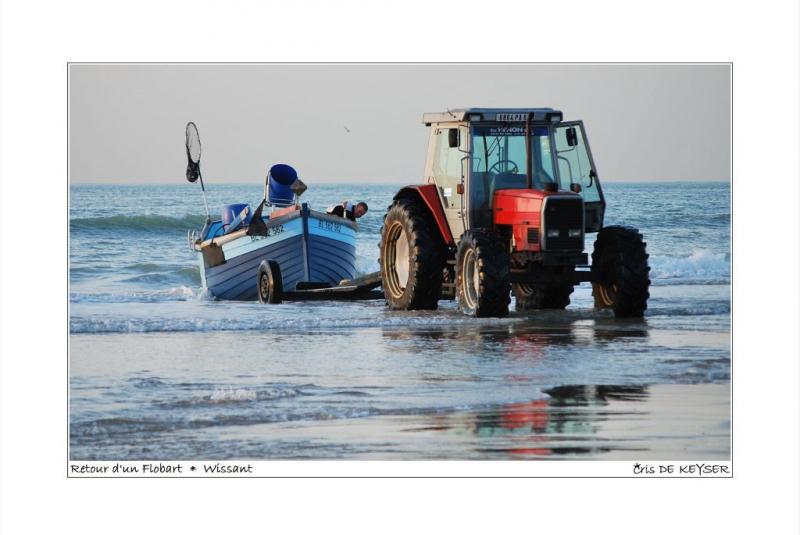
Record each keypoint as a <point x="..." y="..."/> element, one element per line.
<point x="500" y="162"/>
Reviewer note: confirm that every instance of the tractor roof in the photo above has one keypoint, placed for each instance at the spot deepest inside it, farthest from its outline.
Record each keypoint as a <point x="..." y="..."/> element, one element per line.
<point x="491" y="114"/>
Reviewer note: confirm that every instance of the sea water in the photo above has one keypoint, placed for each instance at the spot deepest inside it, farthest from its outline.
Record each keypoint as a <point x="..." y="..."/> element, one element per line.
<point x="159" y="370"/>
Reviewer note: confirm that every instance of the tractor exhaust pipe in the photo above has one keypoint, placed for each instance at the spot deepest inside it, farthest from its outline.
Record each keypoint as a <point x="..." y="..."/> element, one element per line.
<point x="528" y="166"/>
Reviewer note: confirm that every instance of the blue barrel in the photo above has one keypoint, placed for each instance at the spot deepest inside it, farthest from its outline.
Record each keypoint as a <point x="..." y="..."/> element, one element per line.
<point x="281" y="178"/>
<point x="230" y="211"/>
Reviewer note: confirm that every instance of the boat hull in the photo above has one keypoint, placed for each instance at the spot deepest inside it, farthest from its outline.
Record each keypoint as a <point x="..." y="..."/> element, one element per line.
<point x="308" y="246"/>
<point x="331" y="249"/>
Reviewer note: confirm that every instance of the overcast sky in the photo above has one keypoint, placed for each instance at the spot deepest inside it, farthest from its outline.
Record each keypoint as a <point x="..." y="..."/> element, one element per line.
<point x="645" y="123"/>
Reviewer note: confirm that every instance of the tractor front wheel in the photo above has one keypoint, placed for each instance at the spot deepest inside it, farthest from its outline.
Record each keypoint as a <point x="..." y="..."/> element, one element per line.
<point x="412" y="257"/>
<point x="482" y="275"/>
<point x="621" y="272"/>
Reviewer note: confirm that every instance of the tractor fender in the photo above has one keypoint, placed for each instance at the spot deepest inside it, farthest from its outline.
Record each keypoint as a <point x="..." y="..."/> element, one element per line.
<point x="427" y="193"/>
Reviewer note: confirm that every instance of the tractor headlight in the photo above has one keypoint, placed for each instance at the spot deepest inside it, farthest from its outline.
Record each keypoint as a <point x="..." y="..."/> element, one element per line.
<point x="574" y="233"/>
<point x="553" y="233"/>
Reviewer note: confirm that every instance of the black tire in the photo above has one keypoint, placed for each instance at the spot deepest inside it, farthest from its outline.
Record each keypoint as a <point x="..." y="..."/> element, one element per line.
<point x="538" y="296"/>
<point x="412" y="257"/>
<point x="621" y="272"/>
<point x="269" y="284"/>
<point x="482" y="275"/>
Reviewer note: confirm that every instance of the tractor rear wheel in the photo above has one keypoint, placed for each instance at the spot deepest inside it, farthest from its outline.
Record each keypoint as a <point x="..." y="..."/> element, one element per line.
<point x="539" y="296"/>
<point x="412" y="257"/>
<point x="621" y="272"/>
<point x="482" y="275"/>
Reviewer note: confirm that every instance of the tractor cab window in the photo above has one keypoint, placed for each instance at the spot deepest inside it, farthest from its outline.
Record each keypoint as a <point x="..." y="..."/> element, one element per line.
<point x="499" y="161"/>
<point x="574" y="163"/>
<point x="498" y="155"/>
<point x="447" y="168"/>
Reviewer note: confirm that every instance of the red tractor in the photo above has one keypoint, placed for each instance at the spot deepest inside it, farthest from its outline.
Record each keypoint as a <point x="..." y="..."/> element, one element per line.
<point x="510" y="195"/>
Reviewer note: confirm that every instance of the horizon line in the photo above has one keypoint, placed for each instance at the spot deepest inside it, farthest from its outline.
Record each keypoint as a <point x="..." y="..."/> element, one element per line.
<point x="346" y="183"/>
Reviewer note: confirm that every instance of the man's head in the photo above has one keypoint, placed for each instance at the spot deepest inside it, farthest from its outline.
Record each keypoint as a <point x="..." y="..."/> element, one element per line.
<point x="360" y="209"/>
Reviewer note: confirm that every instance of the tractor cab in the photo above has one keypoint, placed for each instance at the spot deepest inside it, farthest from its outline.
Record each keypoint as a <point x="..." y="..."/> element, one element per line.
<point x="524" y="153"/>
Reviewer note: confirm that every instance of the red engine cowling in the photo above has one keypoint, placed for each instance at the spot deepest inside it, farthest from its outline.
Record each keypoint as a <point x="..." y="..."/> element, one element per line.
<point x="521" y="209"/>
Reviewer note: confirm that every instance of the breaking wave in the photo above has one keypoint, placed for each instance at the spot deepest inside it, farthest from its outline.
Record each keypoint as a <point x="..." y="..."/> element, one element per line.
<point x="702" y="266"/>
<point x="178" y="293"/>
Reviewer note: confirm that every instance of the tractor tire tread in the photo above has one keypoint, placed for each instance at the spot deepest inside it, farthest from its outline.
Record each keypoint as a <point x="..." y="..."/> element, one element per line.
<point x="492" y="262"/>
<point x="622" y="251"/>
<point x="426" y="252"/>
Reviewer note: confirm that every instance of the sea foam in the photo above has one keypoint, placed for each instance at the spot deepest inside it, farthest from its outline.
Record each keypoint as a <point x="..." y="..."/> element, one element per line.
<point x="702" y="266"/>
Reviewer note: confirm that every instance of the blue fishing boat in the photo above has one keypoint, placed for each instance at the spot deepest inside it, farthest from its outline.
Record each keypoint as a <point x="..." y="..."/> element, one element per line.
<point x="281" y="248"/>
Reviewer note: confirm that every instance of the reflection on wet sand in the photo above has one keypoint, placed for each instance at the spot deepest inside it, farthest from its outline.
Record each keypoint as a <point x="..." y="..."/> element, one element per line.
<point x="528" y="339"/>
<point x="563" y="424"/>
<point x="601" y="422"/>
<point x="612" y="329"/>
<point x="573" y="420"/>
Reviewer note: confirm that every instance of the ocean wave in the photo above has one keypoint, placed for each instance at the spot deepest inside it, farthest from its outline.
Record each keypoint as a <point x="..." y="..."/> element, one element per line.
<point x="137" y="222"/>
<point x="226" y="395"/>
<point x="189" y="275"/>
<point x="146" y="267"/>
<point x="698" y="309"/>
<point x="104" y="324"/>
<point x="177" y="293"/>
<point x="232" y="396"/>
<point x="146" y="382"/>
<point x="119" y="426"/>
<point x="701" y="265"/>
<point x="690" y="282"/>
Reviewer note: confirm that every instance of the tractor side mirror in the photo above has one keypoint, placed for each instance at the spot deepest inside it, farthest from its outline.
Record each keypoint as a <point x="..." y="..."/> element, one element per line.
<point x="572" y="137"/>
<point x="452" y="137"/>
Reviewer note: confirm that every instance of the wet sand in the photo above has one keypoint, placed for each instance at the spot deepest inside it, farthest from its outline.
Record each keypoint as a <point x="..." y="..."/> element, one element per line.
<point x="624" y="391"/>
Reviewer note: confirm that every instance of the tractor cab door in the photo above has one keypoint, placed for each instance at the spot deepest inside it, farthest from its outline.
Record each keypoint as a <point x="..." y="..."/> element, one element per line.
<point x="447" y="171"/>
<point x="576" y="166"/>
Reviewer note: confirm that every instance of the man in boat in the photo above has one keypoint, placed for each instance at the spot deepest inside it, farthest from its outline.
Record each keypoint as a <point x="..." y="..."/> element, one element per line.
<point x="348" y="209"/>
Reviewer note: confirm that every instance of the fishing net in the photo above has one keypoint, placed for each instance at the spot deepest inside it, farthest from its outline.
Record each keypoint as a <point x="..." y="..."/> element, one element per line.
<point x="192" y="152"/>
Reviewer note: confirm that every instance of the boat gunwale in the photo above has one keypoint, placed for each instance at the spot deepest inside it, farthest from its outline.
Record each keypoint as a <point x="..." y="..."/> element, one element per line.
<point x="285" y="218"/>
<point x="333" y="219"/>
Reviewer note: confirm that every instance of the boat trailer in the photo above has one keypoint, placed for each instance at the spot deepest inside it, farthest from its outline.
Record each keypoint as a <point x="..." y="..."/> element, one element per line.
<point x="359" y="289"/>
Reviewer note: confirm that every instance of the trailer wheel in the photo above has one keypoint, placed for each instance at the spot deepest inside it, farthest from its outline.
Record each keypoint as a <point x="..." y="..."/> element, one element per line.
<point x="621" y="272"/>
<point x="412" y="257"/>
<point x="482" y="275"/>
<point x="270" y="283"/>
<point x="537" y="296"/>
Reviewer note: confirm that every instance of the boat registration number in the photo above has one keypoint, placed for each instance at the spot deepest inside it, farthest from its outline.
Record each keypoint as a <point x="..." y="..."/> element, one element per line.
<point x="271" y="231"/>
<point x="327" y="225"/>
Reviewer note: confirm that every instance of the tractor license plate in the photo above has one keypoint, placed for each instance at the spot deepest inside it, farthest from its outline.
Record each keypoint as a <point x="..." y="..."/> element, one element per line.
<point x="511" y="117"/>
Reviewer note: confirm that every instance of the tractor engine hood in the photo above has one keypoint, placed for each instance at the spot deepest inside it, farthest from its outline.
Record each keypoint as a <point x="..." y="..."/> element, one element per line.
<point x="522" y="206"/>
<point x="528" y="211"/>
